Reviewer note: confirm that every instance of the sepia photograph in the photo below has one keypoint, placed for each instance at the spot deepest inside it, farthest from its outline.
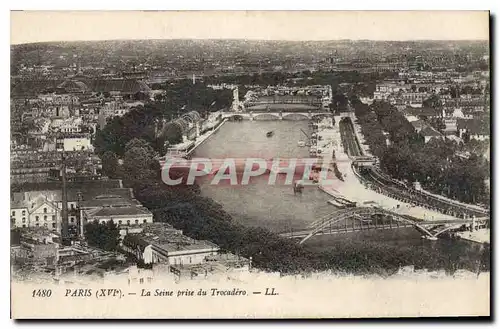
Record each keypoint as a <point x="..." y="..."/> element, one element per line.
<point x="250" y="164"/>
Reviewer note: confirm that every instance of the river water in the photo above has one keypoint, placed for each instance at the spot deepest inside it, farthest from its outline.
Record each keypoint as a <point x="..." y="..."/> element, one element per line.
<point x="278" y="209"/>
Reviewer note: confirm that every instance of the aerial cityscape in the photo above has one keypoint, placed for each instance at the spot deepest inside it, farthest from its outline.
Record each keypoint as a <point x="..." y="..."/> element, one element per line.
<point x="99" y="129"/>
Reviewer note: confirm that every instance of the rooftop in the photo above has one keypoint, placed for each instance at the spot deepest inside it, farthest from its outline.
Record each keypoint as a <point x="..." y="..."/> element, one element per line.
<point x="418" y="124"/>
<point x="167" y="239"/>
<point x="428" y="131"/>
<point x="120" y="211"/>
<point x="422" y="111"/>
<point x="24" y="199"/>
<point x="123" y="197"/>
<point x="474" y="126"/>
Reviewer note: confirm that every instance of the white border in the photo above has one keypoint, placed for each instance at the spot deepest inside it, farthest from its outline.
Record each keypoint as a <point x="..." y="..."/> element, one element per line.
<point x="198" y="5"/>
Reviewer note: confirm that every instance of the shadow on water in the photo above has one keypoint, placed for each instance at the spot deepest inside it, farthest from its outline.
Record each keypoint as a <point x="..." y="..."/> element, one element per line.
<point x="405" y="246"/>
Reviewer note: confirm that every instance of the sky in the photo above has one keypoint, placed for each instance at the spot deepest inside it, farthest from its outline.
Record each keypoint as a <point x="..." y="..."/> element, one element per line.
<point x="41" y="26"/>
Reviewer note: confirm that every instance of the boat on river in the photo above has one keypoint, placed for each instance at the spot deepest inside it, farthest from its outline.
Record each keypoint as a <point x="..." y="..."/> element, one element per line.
<point x="270" y="133"/>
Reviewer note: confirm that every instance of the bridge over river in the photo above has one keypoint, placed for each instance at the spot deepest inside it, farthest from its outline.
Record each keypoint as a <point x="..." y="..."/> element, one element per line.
<point x="276" y="115"/>
<point x="374" y="218"/>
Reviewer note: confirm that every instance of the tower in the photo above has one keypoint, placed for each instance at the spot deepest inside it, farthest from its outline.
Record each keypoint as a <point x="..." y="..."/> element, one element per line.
<point x="236" y="99"/>
<point x="236" y="96"/>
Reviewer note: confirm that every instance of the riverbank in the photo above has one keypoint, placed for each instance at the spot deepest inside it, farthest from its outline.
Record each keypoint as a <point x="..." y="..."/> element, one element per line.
<point x="260" y="208"/>
<point x="205" y="136"/>
<point x="479" y="236"/>
<point x="354" y="190"/>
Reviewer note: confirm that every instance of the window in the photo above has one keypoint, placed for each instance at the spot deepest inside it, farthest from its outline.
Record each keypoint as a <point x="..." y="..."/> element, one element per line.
<point x="137" y="221"/>
<point x="72" y="206"/>
<point x="53" y="225"/>
<point x="128" y="222"/>
<point x="120" y="222"/>
<point x="24" y="226"/>
<point x="36" y="218"/>
<point x="24" y="212"/>
<point x="145" y="221"/>
<point x="13" y="213"/>
<point x="37" y="225"/>
<point x="44" y="210"/>
<point x="24" y="219"/>
<point x="189" y="260"/>
<point x="45" y="218"/>
<point x="45" y="224"/>
<point x="72" y="219"/>
<point x="54" y="218"/>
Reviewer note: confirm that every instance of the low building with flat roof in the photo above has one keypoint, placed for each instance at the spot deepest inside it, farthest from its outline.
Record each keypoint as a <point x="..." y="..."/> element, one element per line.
<point x="164" y="244"/>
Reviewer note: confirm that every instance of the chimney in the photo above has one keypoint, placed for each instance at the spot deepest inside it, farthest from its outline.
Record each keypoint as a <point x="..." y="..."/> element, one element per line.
<point x="64" y="212"/>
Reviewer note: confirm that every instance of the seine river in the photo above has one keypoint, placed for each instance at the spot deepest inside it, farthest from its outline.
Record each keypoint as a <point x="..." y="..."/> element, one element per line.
<point x="278" y="209"/>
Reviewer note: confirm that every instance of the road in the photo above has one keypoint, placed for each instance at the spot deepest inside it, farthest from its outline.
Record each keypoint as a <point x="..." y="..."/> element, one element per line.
<point x="349" y="138"/>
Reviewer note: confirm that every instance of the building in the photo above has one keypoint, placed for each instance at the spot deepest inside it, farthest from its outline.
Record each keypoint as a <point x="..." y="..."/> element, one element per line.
<point x="422" y="112"/>
<point x="429" y="133"/>
<point x="39" y="210"/>
<point x="73" y="87"/>
<point x="38" y="246"/>
<point x="119" y="209"/>
<point x="28" y="165"/>
<point x="40" y="204"/>
<point x="74" y="142"/>
<point x="475" y="129"/>
<point x="69" y="125"/>
<point x="161" y="243"/>
<point x="127" y="88"/>
<point x="418" y="125"/>
<point x="138" y="75"/>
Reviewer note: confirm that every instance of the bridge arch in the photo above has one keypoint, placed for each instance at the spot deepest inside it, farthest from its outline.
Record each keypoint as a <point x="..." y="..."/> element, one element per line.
<point x="320" y="115"/>
<point x="266" y="116"/>
<point x="295" y="116"/>
<point x="345" y="214"/>
<point x="236" y="117"/>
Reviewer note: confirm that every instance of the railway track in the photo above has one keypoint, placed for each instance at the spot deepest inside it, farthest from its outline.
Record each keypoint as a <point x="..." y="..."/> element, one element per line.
<point x="398" y="190"/>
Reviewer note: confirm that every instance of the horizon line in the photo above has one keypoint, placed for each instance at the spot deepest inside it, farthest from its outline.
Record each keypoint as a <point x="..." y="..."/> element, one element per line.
<point x="250" y="39"/>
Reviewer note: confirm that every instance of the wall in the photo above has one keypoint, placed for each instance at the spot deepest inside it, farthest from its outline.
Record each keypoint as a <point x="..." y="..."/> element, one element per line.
<point x="123" y="220"/>
<point x="17" y="215"/>
<point x="47" y="219"/>
<point x="77" y="144"/>
<point x="188" y="257"/>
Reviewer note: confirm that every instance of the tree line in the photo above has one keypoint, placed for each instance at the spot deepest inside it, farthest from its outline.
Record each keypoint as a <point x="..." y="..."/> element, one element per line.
<point x="404" y="155"/>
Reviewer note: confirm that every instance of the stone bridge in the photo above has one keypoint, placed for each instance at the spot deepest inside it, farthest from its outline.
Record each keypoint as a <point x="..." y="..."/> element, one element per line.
<point x="275" y="115"/>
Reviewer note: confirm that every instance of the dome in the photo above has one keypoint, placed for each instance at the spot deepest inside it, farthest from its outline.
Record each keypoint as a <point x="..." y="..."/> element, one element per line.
<point x="74" y="86"/>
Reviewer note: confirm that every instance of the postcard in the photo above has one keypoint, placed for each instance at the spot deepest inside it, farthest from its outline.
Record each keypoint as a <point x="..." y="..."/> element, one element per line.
<point x="250" y="164"/>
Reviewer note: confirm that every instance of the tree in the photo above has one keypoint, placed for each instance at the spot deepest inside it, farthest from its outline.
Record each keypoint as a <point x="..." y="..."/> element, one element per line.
<point x="172" y="133"/>
<point x="433" y="101"/>
<point x="110" y="166"/>
<point x="104" y="236"/>
<point x="340" y="102"/>
<point x="137" y="142"/>
<point x="438" y="124"/>
<point x="139" y="162"/>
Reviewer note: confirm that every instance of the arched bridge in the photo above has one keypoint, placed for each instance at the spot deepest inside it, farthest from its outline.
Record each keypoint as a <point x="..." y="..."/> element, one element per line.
<point x="275" y="115"/>
<point x="345" y="220"/>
